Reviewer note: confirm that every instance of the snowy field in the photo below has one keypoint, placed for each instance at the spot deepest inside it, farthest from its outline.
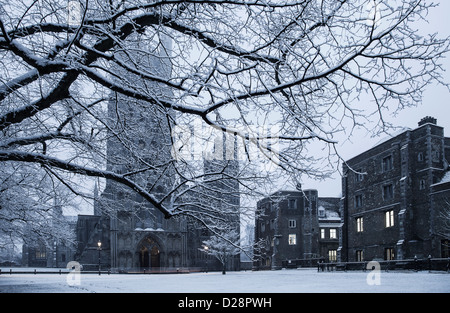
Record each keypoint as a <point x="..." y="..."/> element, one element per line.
<point x="283" y="281"/>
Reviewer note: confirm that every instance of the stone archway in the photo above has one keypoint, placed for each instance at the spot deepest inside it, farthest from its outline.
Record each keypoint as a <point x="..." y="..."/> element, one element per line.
<point x="149" y="253"/>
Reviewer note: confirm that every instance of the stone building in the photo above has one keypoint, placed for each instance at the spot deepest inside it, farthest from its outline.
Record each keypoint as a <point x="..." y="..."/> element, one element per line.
<point x="440" y="222"/>
<point x="330" y="228"/>
<point x="141" y="238"/>
<point x="134" y="235"/>
<point x="48" y="251"/>
<point x="223" y="196"/>
<point x="392" y="195"/>
<point x="296" y="228"/>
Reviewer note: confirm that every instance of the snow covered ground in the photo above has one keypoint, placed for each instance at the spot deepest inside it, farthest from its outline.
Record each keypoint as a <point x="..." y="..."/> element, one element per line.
<point x="283" y="281"/>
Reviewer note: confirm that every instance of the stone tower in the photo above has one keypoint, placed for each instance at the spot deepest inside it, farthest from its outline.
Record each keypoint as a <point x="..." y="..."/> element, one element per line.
<point x="135" y="236"/>
<point x="139" y="236"/>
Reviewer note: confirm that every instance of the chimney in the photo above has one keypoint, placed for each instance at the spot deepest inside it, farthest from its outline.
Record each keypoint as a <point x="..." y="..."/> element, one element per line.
<point x="427" y="119"/>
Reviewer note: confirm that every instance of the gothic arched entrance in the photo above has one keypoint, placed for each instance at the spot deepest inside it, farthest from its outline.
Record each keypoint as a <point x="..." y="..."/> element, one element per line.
<point x="149" y="253"/>
<point x="154" y="257"/>
<point x="144" y="261"/>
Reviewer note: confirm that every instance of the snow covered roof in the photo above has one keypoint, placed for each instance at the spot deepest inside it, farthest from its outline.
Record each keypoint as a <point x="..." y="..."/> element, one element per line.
<point x="328" y="215"/>
<point x="445" y="179"/>
<point x="328" y="209"/>
<point x="70" y="218"/>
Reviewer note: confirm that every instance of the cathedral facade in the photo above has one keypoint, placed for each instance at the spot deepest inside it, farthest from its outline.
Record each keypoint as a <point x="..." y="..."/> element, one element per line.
<point x="126" y="233"/>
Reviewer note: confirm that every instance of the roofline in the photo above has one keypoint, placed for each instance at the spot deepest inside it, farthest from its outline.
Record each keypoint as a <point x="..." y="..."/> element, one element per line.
<point x="377" y="145"/>
<point x="398" y="135"/>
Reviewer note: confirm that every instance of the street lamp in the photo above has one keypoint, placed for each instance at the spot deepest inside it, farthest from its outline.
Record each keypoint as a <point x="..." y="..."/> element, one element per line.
<point x="206" y="258"/>
<point x="99" y="244"/>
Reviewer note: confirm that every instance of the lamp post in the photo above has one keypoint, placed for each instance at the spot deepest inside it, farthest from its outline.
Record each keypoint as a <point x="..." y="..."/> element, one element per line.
<point x="224" y="264"/>
<point x="206" y="258"/>
<point x="99" y="244"/>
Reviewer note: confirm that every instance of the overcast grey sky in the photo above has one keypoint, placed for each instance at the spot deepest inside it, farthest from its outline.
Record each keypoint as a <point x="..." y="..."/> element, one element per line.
<point x="436" y="103"/>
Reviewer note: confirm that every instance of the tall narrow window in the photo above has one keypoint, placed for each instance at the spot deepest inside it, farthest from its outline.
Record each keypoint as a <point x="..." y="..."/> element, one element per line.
<point x="389" y="254"/>
<point x="435" y="156"/>
<point x="292" y="239"/>
<point x="359" y="256"/>
<point x="322" y="233"/>
<point x="359" y="225"/>
<point x="422" y="184"/>
<point x="420" y="157"/>
<point x="358" y="201"/>
<point x="389" y="218"/>
<point x="386" y="164"/>
<point x="388" y="192"/>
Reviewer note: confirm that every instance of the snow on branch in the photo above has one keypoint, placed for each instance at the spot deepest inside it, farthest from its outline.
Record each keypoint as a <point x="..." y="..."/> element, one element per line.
<point x="108" y="97"/>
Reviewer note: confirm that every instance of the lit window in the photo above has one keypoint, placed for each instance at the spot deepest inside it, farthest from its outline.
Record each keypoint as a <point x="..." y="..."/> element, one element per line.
<point x="292" y="239"/>
<point x="389" y="218"/>
<point x="359" y="224"/>
<point x="332" y="255"/>
<point x="389" y="254"/>
<point x="41" y="253"/>
<point x="333" y="233"/>
<point x="359" y="256"/>
<point x="322" y="233"/>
